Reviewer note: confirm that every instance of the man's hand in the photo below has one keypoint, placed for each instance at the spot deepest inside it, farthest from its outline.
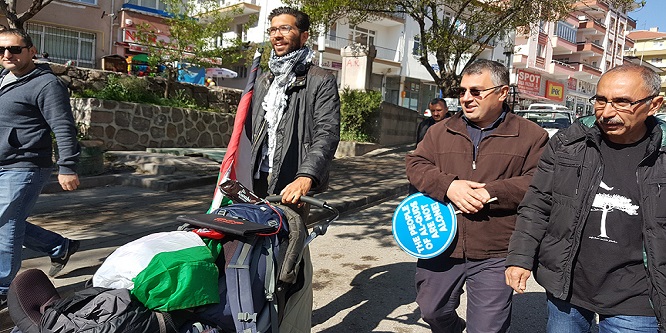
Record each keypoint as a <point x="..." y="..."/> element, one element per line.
<point x="69" y="182"/>
<point x="292" y="193"/>
<point x="516" y="278"/>
<point x="467" y="195"/>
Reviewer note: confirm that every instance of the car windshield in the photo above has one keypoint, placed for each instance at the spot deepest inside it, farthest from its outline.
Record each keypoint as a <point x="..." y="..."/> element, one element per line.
<point x="545" y="119"/>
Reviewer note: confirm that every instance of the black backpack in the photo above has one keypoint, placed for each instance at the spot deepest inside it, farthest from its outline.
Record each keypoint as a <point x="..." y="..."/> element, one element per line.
<point x="103" y="310"/>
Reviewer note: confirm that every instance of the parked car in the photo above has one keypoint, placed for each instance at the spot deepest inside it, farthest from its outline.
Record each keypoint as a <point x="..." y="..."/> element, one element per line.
<point x="554" y="107"/>
<point x="551" y="120"/>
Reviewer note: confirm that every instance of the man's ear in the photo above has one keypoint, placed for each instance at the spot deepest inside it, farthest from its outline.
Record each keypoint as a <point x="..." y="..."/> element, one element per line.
<point x="655" y="105"/>
<point x="304" y="37"/>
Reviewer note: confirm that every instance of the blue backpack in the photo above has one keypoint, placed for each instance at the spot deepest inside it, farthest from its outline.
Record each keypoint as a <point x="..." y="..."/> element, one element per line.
<point x="260" y="271"/>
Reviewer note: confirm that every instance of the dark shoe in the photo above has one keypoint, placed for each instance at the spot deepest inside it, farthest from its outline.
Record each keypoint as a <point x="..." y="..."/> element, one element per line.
<point x="57" y="264"/>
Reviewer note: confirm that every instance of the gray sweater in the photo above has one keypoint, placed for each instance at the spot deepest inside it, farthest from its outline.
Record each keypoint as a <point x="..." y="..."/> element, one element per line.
<point x="32" y="107"/>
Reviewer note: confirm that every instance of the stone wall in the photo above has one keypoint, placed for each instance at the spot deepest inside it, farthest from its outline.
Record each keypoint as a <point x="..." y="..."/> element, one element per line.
<point x="396" y="125"/>
<point x="79" y="79"/>
<point x="131" y="126"/>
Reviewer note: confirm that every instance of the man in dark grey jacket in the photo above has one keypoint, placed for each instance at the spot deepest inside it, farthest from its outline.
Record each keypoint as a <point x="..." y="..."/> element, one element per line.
<point x="296" y="130"/>
<point x="34" y="104"/>
<point x="295" y="114"/>
<point x="592" y="226"/>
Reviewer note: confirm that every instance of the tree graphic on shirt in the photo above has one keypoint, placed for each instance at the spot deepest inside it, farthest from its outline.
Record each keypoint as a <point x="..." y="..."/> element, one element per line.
<point x="608" y="202"/>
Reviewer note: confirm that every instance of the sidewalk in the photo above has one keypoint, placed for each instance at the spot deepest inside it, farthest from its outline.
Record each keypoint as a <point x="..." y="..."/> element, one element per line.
<point x="112" y="210"/>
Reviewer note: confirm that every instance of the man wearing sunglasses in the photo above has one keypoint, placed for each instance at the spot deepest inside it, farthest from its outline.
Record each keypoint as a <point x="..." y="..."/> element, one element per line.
<point x="34" y="104"/>
<point x="481" y="153"/>
<point x="592" y="226"/>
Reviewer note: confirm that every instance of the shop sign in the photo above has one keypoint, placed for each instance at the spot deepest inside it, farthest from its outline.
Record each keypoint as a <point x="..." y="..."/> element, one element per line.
<point x="529" y="82"/>
<point x="554" y="91"/>
<point x="572" y="84"/>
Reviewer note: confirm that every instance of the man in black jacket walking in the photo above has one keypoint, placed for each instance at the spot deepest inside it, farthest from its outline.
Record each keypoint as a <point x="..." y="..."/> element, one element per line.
<point x="591" y="226"/>
<point x="295" y="132"/>
<point x="295" y="114"/>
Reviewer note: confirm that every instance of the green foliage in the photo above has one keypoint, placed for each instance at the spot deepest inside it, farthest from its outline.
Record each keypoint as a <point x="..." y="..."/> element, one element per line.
<point x="136" y="90"/>
<point x="358" y="114"/>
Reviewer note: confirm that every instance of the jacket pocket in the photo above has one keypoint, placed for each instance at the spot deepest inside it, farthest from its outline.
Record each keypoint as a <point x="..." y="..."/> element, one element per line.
<point x="7" y="143"/>
<point x="568" y="173"/>
<point x="657" y="194"/>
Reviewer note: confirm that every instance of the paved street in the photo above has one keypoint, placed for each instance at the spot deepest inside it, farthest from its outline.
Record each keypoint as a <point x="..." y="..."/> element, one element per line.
<point x="363" y="282"/>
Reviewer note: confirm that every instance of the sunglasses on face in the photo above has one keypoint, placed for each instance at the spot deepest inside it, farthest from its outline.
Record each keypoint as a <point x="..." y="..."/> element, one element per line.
<point x="13" y="49"/>
<point x="474" y="92"/>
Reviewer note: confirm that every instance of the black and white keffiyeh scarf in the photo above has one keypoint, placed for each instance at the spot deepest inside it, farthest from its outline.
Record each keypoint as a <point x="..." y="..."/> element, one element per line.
<point x="275" y="101"/>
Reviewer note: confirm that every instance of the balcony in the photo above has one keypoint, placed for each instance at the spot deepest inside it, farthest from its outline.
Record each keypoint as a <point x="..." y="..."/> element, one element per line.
<point x="585" y="70"/>
<point x="246" y="7"/>
<point x="562" y="70"/>
<point x="593" y="7"/>
<point x="563" y="46"/>
<point x="592" y="27"/>
<point x="383" y="53"/>
<point x="590" y="48"/>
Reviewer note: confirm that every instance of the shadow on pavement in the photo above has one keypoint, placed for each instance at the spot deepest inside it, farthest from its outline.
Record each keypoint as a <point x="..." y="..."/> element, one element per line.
<point x="376" y="293"/>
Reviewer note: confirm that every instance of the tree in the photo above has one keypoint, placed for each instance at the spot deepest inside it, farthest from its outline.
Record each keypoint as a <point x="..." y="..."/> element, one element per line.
<point x="195" y="27"/>
<point x="607" y="203"/>
<point x="16" y="19"/>
<point x="455" y="32"/>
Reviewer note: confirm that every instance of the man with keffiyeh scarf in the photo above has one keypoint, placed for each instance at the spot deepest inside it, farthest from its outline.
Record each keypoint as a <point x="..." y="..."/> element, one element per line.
<point x="295" y="132"/>
<point x="295" y="114"/>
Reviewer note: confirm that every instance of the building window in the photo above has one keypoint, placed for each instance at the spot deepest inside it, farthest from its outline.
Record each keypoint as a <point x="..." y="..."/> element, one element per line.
<point x="332" y="32"/>
<point x="90" y="2"/>
<point x="362" y="36"/>
<point x="154" y="4"/>
<point x="657" y="60"/>
<point x="240" y="32"/>
<point x="417" y="48"/>
<point x="64" y="45"/>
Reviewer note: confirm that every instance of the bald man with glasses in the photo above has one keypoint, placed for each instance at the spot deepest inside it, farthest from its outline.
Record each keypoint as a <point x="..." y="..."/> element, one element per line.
<point x="592" y="227"/>
<point x="481" y="153"/>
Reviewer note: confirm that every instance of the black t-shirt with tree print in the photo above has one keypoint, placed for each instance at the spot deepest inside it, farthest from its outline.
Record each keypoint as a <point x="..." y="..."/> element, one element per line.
<point x="609" y="277"/>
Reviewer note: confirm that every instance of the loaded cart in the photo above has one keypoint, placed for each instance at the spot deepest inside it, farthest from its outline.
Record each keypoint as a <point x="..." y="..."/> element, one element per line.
<point x="243" y="268"/>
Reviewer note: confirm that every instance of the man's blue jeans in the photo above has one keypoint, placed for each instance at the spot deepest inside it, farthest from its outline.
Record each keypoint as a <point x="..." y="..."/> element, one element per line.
<point x="19" y="189"/>
<point x="564" y="317"/>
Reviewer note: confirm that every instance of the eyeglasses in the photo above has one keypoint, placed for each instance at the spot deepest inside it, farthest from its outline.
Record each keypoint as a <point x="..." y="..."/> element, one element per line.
<point x="619" y="105"/>
<point x="474" y="92"/>
<point x="283" y="29"/>
<point x="13" y="49"/>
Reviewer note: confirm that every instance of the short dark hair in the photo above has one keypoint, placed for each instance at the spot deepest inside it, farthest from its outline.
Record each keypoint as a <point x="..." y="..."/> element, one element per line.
<point x="499" y="74"/>
<point x="20" y="33"/>
<point x="302" y="19"/>
<point x="438" y="100"/>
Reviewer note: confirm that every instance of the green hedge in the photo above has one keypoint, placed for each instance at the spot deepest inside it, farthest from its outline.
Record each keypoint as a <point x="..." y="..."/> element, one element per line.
<point x="359" y="112"/>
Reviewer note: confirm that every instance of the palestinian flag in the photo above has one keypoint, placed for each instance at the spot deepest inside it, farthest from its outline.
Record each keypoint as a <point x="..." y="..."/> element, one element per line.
<point x="236" y="163"/>
<point x="165" y="271"/>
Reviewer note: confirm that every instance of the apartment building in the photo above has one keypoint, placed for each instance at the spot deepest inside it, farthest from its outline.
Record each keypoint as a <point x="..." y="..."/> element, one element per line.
<point x="649" y="49"/>
<point x="561" y="62"/>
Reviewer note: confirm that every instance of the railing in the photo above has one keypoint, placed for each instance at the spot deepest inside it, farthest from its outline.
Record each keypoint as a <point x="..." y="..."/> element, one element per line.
<point x="382" y="52"/>
<point x="566" y="32"/>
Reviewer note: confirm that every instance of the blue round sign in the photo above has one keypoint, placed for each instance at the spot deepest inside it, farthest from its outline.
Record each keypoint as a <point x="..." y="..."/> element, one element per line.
<point x="424" y="227"/>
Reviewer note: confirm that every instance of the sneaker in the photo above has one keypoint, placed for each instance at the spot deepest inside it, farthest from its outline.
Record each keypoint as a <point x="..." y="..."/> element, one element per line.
<point x="57" y="264"/>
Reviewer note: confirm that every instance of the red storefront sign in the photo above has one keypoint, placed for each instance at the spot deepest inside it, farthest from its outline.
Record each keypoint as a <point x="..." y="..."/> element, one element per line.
<point x="528" y="82"/>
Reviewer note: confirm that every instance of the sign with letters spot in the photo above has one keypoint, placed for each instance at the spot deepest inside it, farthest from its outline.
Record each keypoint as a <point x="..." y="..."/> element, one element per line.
<point x="424" y="227"/>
